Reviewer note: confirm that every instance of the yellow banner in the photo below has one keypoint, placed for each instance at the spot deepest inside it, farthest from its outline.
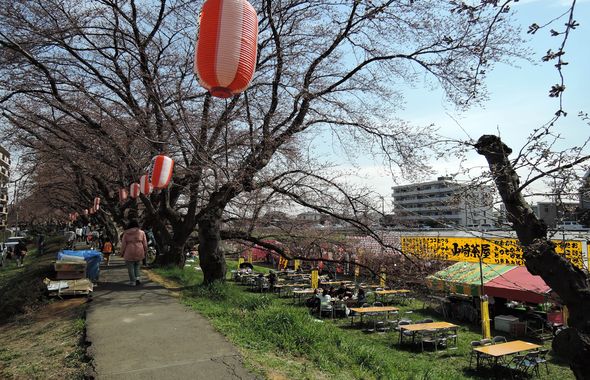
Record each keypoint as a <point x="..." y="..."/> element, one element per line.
<point x="250" y="256"/>
<point x="492" y="251"/>
<point x="382" y="278"/>
<point x="240" y="261"/>
<point x="314" y="279"/>
<point x="296" y="264"/>
<point x="485" y="320"/>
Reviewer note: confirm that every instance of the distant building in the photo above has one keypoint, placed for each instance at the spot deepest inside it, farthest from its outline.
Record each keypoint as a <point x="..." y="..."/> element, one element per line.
<point x="310" y="217"/>
<point x="552" y="213"/>
<point x="4" y="177"/>
<point x="444" y="202"/>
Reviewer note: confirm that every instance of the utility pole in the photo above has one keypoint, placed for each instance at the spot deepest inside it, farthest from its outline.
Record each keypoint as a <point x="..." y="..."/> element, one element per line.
<point x="484" y="311"/>
<point x="15" y="207"/>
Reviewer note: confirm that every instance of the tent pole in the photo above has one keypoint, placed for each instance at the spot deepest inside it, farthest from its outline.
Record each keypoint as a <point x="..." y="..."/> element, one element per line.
<point x="485" y="313"/>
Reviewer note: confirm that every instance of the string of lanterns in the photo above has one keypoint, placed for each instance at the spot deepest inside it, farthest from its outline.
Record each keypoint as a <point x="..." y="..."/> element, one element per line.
<point x="225" y="61"/>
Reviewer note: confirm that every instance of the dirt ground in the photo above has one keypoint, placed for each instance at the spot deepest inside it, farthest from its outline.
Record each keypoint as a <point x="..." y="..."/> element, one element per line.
<point x="45" y="343"/>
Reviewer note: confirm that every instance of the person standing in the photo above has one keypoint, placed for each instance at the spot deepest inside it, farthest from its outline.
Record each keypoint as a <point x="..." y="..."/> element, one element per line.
<point x="20" y="251"/>
<point x="41" y="244"/>
<point x="133" y="250"/>
<point x="70" y="238"/>
<point x="107" y="250"/>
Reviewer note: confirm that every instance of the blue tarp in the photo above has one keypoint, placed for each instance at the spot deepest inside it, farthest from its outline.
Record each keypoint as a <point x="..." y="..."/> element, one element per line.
<point x="92" y="257"/>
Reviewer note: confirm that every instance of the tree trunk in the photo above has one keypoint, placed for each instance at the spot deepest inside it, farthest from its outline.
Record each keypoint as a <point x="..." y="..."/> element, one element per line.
<point x="173" y="255"/>
<point x="568" y="281"/>
<point x="211" y="258"/>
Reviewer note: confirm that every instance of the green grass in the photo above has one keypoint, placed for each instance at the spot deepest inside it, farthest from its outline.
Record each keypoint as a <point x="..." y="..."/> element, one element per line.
<point x="282" y="340"/>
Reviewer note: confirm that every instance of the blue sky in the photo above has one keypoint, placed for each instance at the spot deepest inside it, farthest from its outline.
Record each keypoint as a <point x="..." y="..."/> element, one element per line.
<point x="518" y="94"/>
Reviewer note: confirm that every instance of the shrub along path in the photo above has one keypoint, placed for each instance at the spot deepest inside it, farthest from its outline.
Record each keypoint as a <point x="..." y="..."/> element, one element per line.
<point x="143" y="332"/>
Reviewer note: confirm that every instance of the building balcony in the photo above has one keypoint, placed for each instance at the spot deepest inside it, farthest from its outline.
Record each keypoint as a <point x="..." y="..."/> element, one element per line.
<point x="434" y="200"/>
<point x="430" y="208"/>
<point x="432" y="190"/>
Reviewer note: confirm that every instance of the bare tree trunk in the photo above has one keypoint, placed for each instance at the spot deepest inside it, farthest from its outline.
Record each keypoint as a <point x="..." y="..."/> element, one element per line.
<point x="173" y="255"/>
<point x="568" y="281"/>
<point x="211" y="258"/>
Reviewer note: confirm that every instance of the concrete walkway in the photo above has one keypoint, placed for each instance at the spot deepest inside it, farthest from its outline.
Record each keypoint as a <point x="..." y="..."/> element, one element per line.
<point x="143" y="332"/>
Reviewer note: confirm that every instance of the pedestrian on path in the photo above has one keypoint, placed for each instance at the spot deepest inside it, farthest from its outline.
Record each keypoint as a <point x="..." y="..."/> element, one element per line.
<point x="133" y="250"/>
<point x="20" y="251"/>
<point x="107" y="250"/>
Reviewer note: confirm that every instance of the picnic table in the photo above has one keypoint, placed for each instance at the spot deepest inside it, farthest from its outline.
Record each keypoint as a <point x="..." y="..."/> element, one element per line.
<point x="384" y="293"/>
<point x="371" y="286"/>
<point x="280" y="287"/>
<point x="417" y="327"/>
<point x="334" y="282"/>
<point x="371" y="310"/>
<point x="500" y="350"/>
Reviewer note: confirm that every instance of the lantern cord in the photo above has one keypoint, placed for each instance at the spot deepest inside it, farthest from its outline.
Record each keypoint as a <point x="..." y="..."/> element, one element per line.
<point x="226" y="133"/>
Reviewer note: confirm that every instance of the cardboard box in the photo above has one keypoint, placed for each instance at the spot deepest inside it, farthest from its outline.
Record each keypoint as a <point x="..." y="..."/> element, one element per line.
<point x="69" y="266"/>
<point x="69" y="287"/>
<point x="71" y="275"/>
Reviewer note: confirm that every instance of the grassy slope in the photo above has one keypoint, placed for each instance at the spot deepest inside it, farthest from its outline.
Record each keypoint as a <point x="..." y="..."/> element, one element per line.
<point x="282" y="341"/>
<point x="39" y="338"/>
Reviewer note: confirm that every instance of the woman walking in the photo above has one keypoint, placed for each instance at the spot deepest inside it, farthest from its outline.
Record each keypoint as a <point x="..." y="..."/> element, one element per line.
<point x="133" y="249"/>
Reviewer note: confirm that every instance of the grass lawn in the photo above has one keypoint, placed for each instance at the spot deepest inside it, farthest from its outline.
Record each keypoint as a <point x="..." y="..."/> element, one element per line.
<point x="280" y="340"/>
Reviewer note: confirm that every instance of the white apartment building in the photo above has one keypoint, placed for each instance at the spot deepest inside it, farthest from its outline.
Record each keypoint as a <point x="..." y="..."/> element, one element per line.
<point x="444" y="202"/>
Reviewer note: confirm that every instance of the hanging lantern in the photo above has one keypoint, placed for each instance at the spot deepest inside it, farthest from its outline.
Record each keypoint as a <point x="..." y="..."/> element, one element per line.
<point x="92" y="210"/>
<point x="85" y="211"/>
<point x="145" y="185"/>
<point x="134" y="190"/>
<point x="225" y="57"/>
<point x="97" y="203"/>
<point x="122" y="195"/>
<point x="161" y="171"/>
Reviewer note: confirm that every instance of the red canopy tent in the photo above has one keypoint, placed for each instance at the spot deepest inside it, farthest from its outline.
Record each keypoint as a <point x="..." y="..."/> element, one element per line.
<point x="519" y="285"/>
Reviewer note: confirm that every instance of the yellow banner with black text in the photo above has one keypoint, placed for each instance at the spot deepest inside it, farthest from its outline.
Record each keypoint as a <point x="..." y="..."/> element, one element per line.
<point x="492" y="251"/>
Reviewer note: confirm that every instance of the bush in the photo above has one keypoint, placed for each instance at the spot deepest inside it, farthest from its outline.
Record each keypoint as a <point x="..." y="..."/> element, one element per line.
<point x="253" y="302"/>
<point x="216" y="291"/>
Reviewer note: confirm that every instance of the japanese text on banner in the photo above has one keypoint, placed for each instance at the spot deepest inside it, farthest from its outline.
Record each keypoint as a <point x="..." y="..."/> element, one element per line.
<point x="492" y="251"/>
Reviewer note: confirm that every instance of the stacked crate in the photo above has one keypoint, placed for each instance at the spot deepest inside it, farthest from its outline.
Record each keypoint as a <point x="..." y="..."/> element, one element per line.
<point x="70" y="270"/>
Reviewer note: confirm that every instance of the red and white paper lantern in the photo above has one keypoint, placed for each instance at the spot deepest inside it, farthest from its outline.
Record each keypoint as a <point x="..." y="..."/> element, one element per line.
<point x="225" y="57"/>
<point x="123" y="195"/>
<point x="134" y="190"/>
<point x="92" y="210"/>
<point x="145" y="185"/>
<point x="161" y="171"/>
<point x="96" y="203"/>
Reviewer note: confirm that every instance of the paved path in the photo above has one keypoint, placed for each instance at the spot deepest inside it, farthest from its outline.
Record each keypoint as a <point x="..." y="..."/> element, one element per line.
<point x="144" y="332"/>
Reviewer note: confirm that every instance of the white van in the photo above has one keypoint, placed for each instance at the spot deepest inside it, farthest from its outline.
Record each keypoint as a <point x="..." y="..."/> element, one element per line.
<point x="569" y="225"/>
